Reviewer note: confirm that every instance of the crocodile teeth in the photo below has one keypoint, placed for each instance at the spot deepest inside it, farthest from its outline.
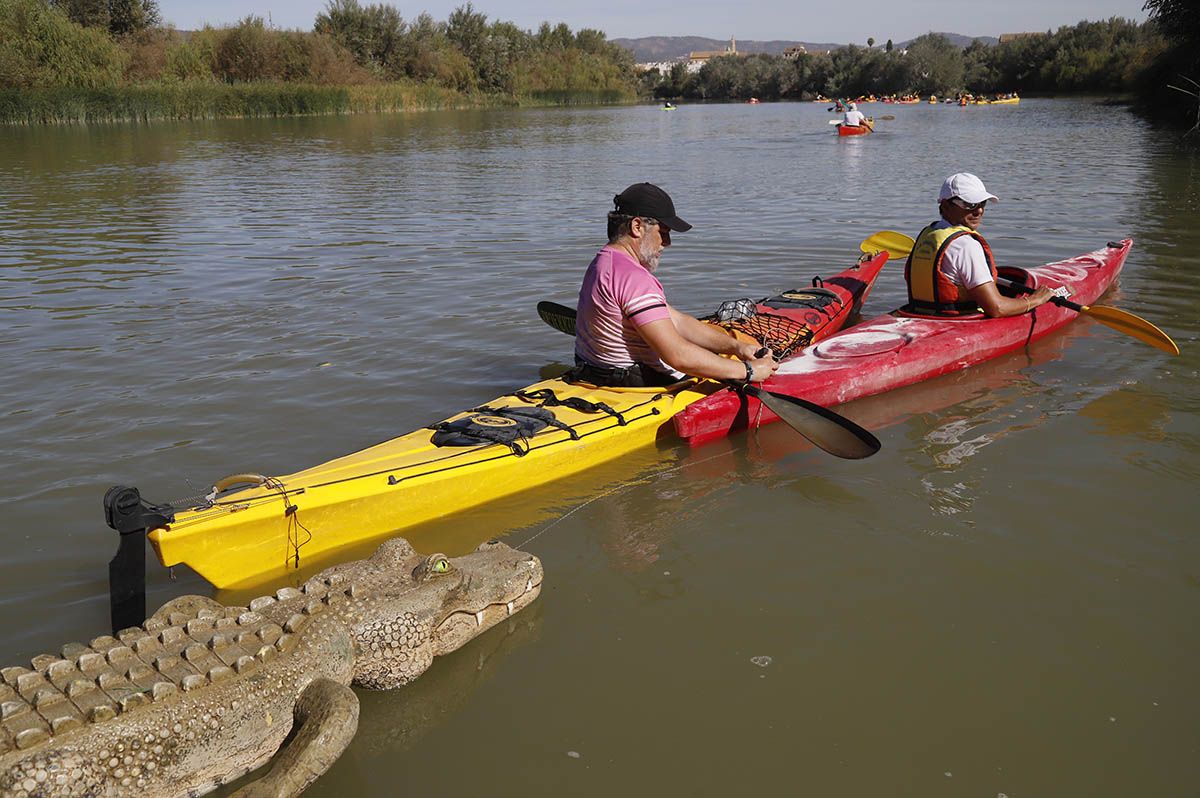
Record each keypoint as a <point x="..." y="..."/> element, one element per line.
<point x="529" y="586"/>
<point x="510" y="609"/>
<point x="479" y="618"/>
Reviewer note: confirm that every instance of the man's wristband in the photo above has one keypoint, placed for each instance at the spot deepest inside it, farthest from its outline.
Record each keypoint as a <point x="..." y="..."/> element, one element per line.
<point x="749" y="371"/>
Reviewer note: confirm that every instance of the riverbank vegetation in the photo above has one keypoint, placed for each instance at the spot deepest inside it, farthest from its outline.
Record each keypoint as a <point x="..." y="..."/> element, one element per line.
<point x="1113" y="57"/>
<point x="1088" y="57"/>
<point x="106" y="60"/>
<point x="1169" y="88"/>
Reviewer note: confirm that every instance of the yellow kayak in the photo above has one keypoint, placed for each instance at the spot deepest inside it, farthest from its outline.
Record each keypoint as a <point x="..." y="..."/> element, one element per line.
<point x="249" y="530"/>
<point x="252" y="527"/>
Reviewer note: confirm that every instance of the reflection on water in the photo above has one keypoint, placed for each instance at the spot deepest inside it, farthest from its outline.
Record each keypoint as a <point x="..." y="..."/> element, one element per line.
<point x="1124" y="414"/>
<point x="1006" y="592"/>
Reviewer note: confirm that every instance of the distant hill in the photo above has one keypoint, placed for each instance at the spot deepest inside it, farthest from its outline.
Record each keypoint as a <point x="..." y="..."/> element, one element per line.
<point x="663" y="48"/>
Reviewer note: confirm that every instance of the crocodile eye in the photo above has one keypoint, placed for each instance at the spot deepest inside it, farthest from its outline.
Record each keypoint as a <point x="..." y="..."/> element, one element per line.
<point x="440" y="566"/>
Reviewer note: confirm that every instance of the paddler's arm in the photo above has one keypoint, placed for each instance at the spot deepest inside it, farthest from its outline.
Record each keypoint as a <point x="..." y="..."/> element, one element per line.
<point x="696" y="358"/>
<point x="995" y="305"/>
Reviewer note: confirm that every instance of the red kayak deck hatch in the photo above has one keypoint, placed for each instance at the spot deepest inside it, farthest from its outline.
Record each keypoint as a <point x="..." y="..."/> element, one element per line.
<point x="862" y="344"/>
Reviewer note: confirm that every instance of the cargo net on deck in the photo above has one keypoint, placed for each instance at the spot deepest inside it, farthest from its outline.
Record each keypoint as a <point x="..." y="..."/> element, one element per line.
<point x="782" y="335"/>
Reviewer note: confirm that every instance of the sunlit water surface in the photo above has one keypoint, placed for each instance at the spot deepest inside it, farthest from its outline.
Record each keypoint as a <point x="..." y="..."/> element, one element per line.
<point x="1004" y="601"/>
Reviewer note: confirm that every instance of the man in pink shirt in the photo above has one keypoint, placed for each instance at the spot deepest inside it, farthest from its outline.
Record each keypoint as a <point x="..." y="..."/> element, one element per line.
<point x="625" y="332"/>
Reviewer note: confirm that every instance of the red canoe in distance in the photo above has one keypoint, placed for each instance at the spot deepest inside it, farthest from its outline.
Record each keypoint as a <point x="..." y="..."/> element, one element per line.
<point x="897" y="349"/>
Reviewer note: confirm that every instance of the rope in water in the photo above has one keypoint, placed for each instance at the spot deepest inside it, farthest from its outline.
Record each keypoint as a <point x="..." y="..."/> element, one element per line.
<point x="617" y="489"/>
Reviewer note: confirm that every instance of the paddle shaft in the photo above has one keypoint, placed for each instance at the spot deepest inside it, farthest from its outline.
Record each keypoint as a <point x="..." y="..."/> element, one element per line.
<point x="1062" y="302"/>
<point x="1120" y="320"/>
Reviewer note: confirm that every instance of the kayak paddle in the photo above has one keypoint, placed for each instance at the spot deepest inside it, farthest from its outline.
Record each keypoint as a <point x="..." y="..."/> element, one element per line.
<point x="1119" y="320"/>
<point x="826" y="429"/>
<point x="898" y="245"/>
<point x="560" y="317"/>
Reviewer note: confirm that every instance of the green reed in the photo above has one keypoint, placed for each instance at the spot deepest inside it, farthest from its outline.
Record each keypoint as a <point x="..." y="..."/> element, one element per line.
<point x="208" y="100"/>
<point x="171" y="100"/>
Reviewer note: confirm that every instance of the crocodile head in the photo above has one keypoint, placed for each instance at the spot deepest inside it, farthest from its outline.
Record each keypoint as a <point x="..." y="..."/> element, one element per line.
<point x="418" y="607"/>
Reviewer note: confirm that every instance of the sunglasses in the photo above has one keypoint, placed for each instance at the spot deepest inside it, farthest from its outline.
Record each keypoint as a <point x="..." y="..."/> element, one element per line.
<point x="969" y="206"/>
<point x="663" y="230"/>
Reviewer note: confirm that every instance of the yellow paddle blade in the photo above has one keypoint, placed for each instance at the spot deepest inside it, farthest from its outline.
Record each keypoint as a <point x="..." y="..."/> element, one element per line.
<point x="1134" y="326"/>
<point x="897" y="245"/>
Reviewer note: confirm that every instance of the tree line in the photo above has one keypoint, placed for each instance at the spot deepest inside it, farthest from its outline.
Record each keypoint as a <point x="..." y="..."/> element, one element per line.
<point x="1169" y="86"/>
<point x="116" y="53"/>
<point x="92" y="44"/>
<point x="1114" y="56"/>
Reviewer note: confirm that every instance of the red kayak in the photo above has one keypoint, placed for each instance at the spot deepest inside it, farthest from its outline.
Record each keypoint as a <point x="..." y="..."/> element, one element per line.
<point x="853" y="130"/>
<point x="899" y="349"/>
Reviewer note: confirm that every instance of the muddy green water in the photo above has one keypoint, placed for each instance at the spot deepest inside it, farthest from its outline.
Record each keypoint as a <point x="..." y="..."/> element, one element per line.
<point x="1004" y="601"/>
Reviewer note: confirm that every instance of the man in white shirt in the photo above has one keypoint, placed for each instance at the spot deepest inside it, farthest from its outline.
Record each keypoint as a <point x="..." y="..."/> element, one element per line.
<point x="854" y="117"/>
<point x="950" y="271"/>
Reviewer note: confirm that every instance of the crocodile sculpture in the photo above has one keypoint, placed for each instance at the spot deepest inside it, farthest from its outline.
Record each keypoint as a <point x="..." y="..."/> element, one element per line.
<point x="204" y="693"/>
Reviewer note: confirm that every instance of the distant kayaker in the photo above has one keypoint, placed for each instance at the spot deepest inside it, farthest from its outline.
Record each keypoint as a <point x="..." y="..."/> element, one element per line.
<point x="853" y="116"/>
<point x="625" y="332"/>
<point x="950" y="271"/>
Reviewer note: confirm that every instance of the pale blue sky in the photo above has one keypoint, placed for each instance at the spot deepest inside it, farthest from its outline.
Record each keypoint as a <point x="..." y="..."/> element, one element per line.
<point x="799" y="20"/>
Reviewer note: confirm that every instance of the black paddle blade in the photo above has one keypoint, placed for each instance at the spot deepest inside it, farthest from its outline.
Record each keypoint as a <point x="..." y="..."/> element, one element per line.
<point x="560" y="317"/>
<point x="826" y="429"/>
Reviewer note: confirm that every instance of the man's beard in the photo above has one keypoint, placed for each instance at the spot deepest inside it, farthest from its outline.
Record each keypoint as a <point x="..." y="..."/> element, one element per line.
<point x="650" y="261"/>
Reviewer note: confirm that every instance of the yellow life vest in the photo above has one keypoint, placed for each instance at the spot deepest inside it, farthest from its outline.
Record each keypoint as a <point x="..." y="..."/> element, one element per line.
<point x="930" y="291"/>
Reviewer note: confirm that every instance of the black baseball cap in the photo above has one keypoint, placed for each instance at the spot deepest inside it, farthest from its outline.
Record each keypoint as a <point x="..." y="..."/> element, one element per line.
<point x="647" y="199"/>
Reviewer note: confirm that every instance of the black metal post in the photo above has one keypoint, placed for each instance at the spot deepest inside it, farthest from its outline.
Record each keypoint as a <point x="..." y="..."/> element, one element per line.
<point x="125" y="512"/>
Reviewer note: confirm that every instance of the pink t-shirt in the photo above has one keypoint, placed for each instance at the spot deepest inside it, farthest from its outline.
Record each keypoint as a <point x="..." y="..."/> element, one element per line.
<point x="618" y="295"/>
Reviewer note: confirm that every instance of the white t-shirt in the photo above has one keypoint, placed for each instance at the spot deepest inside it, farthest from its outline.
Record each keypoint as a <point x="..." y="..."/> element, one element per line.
<point x="964" y="262"/>
<point x="853" y="118"/>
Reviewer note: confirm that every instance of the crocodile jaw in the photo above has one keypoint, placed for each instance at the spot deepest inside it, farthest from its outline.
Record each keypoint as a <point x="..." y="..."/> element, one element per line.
<point x="463" y="625"/>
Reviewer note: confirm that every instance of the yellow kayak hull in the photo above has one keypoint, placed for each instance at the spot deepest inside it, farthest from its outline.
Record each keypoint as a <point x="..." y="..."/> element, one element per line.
<point x="266" y="529"/>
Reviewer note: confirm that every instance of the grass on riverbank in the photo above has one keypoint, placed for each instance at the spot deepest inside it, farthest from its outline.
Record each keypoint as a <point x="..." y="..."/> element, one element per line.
<point x="204" y="100"/>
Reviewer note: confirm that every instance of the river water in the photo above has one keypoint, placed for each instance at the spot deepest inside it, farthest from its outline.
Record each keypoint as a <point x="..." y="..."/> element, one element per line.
<point x="1004" y="601"/>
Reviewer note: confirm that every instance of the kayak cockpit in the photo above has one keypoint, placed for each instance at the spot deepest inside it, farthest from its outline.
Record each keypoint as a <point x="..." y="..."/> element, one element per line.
<point x="1010" y="278"/>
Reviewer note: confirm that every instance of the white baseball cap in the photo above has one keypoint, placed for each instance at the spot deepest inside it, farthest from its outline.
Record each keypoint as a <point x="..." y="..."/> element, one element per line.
<point x="967" y="187"/>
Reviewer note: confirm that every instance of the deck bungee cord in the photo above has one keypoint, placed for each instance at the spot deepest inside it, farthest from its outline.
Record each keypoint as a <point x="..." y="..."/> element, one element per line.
<point x="215" y="507"/>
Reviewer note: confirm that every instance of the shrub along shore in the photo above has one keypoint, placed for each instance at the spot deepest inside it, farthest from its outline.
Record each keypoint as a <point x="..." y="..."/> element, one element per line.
<point x="166" y="101"/>
<point x="83" y="61"/>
